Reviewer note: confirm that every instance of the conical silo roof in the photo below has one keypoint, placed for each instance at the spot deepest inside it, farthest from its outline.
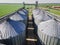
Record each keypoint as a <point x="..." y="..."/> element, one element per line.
<point x="35" y="12"/>
<point x="38" y="15"/>
<point x="18" y="26"/>
<point x="49" y="27"/>
<point x="6" y="30"/>
<point x="36" y="21"/>
<point x="16" y="17"/>
<point x="46" y="17"/>
<point x="25" y="11"/>
<point x="22" y="12"/>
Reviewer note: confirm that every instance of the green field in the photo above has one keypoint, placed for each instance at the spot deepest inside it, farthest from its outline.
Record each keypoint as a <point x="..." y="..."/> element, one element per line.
<point x="57" y="12"/>
<point x="6" y="9"/>
<point x="48" y="4"/>
<point x="48" y="8"/>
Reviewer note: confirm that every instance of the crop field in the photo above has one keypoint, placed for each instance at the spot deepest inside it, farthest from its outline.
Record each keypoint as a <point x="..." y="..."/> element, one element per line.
<point x="6" y="9"/>
<point x="49" y="8"/>
<point x="57" y="12"/>
<point x="48" y="4"/>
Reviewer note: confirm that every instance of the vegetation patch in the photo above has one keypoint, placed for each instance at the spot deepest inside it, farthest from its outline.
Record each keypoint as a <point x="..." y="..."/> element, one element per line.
<point x="6" y="9"/>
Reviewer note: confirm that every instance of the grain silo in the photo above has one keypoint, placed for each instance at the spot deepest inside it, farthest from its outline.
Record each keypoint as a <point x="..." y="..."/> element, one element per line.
<point x="38" y="16"/>
<point x="20" y="28"/>
<point x="17" y="22"/>
<point x="6" y="33"/>
<point x="48" y="31"/>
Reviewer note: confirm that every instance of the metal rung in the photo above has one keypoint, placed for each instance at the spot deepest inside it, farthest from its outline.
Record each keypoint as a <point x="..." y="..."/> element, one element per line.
<point x="28" y="39"/>
<point x="30" y="28"/>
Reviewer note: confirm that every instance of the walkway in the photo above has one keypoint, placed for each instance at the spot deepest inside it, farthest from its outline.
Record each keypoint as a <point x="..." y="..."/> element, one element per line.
<point x="31" y="37"/>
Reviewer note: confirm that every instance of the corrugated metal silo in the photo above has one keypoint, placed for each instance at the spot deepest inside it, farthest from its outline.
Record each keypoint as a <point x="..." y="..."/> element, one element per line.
<point x="6" y="32"/>
<point x="50" y="30"/>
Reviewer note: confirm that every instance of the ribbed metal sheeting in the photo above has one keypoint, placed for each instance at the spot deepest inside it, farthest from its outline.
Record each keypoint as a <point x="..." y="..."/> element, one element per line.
<point x="14" y="29"/>
<point x="48" y="40"/>
<point x="39" y="16"/>
<point x="25" y="11"/>
<point x="6" y="32"/>
<point x="24" y="14"/>
<point x="2" y="44"/>
<point x="48" y="29"/>
<point x="21" y="15"/>
<point x="20" y="28"/>
<point x="49" y="33"/>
